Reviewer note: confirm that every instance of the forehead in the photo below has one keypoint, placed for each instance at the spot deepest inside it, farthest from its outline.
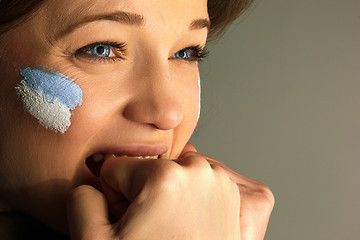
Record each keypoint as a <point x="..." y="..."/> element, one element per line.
<point x="171" y="14"/>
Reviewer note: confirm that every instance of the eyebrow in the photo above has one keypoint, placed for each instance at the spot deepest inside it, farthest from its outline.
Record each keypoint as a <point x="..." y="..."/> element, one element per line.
<point x="128" y="19"/>
<point x="119" y="16"/>
<point x="200" y="24"/>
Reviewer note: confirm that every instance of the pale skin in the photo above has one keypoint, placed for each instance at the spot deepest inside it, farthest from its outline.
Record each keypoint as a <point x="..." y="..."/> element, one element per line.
<point x="144" y="99"/>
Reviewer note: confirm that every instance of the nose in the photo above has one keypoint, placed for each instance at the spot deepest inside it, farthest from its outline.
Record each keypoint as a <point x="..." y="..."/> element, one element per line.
<point x="155" y="100"/>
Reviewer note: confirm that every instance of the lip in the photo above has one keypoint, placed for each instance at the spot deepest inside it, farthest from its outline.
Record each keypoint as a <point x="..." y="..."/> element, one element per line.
<point x="135" y="150"/>
<point x="128" y="150"/>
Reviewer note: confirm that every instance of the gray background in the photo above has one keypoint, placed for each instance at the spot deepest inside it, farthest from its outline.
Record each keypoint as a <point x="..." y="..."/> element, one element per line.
<point x="281" y="104"/>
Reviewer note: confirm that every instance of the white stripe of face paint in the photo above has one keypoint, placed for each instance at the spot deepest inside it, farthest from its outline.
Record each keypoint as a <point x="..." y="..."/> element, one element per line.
<point x="199" y="85"/>
<point x="53" y="116"/>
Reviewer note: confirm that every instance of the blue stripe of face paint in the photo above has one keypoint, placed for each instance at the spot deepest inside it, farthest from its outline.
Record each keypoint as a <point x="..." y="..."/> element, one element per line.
<point x="53" y="85"/>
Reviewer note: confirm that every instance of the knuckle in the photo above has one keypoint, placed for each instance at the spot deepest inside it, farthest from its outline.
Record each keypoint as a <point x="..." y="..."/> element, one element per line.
<point x="222" y="175"/>
<point x="220" y="171"/>
<point x="268" y="197"/>
<point x="263" y="198"/>
<point x="166" y="176"/>
<point x="197" y="162"/>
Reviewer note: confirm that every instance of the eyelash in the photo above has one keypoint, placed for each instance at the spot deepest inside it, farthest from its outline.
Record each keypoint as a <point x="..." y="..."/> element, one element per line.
<point x="118" y="48"/>
<point x="198" y="52"/>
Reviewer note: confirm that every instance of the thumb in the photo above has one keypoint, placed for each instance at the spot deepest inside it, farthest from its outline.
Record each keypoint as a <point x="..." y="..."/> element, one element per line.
<point x="188" y="148"/>
<point x="87" y="213"/>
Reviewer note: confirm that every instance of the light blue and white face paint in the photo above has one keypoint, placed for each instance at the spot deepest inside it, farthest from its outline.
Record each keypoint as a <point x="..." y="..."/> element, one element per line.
<point x="49" y="96"/>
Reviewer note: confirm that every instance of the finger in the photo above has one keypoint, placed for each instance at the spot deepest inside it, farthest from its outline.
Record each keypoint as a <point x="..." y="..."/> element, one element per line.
<point x="234" y="176"/>
<point x="256" y="204"/>
<point x="87" y="214"/>
<point x="188" y="148"/>
<point x="122" y="180"/>
<point x="119" y="175"/>
<point x="255" y="212"/>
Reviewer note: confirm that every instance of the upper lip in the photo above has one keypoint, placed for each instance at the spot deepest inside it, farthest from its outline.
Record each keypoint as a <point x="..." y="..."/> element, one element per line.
<point x="135" y="150"/>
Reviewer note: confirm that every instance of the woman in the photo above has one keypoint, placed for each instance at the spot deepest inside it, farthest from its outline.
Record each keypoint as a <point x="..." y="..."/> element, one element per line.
<point x="98" y="101"/>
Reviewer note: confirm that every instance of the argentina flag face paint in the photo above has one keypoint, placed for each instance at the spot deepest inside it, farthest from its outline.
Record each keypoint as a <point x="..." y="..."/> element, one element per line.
<point x="49" y="96"/>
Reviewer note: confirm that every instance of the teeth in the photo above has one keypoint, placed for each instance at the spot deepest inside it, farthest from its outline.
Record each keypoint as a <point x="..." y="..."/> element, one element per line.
<point x="148" y="157"/>
<point x="98" y="157"/>
<point x="107" y="156"/>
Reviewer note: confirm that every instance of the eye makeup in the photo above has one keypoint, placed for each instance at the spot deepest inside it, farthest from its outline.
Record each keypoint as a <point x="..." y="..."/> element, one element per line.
<point x="49" y="96"/>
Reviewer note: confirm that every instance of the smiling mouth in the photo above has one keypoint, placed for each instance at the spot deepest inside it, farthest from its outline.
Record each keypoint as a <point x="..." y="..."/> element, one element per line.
<point x="95" y="161"/>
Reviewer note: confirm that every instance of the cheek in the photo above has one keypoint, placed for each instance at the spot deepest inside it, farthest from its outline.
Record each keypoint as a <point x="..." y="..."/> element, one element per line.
<point x="49" y="96"/>
<point x="192" y="113"/>
<point x="199" y="104"/>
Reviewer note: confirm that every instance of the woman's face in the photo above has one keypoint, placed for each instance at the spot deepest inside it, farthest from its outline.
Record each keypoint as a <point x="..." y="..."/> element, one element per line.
<point x="136" y="64"/>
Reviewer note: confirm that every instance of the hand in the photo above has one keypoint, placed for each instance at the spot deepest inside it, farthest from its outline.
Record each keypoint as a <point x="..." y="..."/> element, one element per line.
<point x="256" y="200"/>
<point x="187" y="198"/>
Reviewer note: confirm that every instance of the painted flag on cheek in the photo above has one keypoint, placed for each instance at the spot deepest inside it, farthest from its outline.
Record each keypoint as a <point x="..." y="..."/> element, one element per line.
<point x="49" y="96"/>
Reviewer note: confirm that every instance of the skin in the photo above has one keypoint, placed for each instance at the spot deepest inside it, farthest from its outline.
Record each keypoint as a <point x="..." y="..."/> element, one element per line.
<point x="150" y="98"/>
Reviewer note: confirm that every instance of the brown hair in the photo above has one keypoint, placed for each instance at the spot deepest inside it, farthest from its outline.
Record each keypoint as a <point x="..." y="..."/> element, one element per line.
<point x="222" y="13"/>
<point x="15" y="12"/>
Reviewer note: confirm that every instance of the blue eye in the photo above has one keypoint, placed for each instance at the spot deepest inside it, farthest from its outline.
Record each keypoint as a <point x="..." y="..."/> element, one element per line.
<point x="100" y="50"/>
<point x="191" y="54"/>
<point x="183" y="54"/>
